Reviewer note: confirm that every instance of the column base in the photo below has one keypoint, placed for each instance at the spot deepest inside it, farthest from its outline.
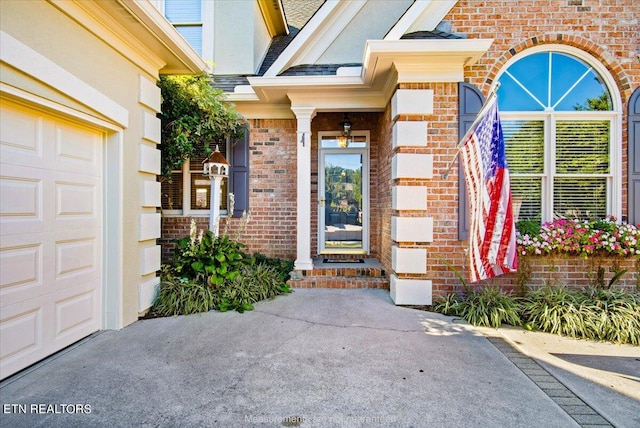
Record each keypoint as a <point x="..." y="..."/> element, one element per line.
<point x="410" y="291"/>
<point x="301" y="264"/>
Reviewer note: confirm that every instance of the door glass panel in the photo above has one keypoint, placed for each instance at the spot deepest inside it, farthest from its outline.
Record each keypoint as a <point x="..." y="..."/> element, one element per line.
<point x="353" y="141"/>
<point x="343" y="202"/>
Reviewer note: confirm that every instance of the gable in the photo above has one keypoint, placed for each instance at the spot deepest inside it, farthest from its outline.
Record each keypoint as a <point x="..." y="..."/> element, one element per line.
<point x="371" y="22"/>
<point x="338" y="31"/>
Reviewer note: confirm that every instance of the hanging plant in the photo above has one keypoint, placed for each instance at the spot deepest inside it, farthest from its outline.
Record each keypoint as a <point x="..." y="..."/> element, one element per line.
<point x="194" y="115"/>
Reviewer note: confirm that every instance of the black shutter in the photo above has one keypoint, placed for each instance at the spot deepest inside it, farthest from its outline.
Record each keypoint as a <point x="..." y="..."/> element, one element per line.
<point x="634" y="157"/>
<point x="240" y="173"/>
<point x="470" y="101"/>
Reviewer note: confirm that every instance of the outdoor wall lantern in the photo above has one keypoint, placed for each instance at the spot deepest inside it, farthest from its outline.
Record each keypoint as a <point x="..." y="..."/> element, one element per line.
<point x="343" y="140"/>
<point x="216" y="168"/>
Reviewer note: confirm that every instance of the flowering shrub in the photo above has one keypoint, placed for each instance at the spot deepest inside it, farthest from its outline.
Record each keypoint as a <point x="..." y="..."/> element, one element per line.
<point x="583" y="238"/>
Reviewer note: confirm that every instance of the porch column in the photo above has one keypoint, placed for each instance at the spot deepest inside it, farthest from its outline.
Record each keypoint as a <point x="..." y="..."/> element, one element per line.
<point x="411" y="224"/>
<point x="304" y="115"/>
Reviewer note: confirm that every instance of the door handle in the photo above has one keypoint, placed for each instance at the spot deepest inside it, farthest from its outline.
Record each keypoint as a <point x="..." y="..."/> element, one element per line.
<point x="321" y="202"/>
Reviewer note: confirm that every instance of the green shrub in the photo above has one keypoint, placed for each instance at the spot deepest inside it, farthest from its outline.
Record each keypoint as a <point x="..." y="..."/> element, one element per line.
<point x="207" y="258"/>
<point x="489" y="307"/>
<point x="555" y="310"/>
<point x="528" y="227"/>
<point x="596" y="313"/>
<point x="211" y="273"/>
<point x="612" y="315"/>
<point x="450" y="305"/>
<point x="183" y="296"/>
<point x="282" y="267"/>
<point x="256" y="282"/>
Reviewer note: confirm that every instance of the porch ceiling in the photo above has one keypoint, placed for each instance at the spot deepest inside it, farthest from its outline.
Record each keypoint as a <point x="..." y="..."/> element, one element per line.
<point x="385" y="64"/>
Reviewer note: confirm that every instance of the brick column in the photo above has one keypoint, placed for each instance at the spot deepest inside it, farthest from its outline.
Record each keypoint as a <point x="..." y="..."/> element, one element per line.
<point x="411" y="227"/>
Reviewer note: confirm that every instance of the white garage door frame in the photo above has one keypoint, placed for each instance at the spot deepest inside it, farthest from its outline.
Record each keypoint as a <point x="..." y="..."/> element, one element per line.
<point x="111" y="276"/>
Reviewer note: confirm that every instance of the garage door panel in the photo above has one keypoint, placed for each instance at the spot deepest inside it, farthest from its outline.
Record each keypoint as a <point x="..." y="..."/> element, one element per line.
<point x="77" y="150"/>
<point x="76" y="257"/>
<point x="20" y="204"/>
<point x="20" y="338"/>
<point x="21" y="132"/>
<point x="76" y="313"/>
<point x="20" y="268"/>
<point x="26" y="335"/>
<point x="50" y="235"/>
<point x="76" y="200"/>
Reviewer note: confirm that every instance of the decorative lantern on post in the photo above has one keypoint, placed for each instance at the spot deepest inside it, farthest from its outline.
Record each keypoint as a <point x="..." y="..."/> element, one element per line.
<point x="216" y="168"/>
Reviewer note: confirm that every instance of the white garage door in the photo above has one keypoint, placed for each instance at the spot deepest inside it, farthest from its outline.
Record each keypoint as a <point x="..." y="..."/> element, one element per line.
<point x="50" y="234"/>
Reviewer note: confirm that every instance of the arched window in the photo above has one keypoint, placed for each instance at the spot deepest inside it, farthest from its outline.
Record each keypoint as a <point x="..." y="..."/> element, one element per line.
<point x="561" y="135"/>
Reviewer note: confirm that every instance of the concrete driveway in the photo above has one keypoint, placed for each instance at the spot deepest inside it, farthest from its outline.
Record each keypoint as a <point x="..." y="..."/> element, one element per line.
<point x="315" y="358"/>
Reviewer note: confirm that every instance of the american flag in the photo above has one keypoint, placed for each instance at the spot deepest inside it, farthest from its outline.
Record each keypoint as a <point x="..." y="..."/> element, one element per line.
<point x="492" y="234"/>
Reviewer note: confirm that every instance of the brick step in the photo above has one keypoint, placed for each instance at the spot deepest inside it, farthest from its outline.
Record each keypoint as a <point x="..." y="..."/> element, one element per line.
<point x="370" y="274"/>
<point x="339" y="282"/>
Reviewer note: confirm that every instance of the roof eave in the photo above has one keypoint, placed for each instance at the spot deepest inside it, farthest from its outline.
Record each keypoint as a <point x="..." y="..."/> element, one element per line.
<point x="385" y="64"/>
<point x="178" y="55"/>
<point x="273" y="14"/>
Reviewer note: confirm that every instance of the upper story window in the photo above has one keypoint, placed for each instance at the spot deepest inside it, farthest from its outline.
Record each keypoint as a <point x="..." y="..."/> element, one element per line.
<point x="561" y="136"/>
<point x="186" y="16"/>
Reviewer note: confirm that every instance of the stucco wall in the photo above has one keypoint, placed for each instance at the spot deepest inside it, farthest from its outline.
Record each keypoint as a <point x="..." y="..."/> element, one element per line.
<point x="240" y="37"/>
<point x="45" y="29"/>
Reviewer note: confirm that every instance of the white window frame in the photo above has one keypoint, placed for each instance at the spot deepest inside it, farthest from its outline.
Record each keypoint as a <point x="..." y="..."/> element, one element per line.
<point x="549" y="119"/>
<point x="186" y="210"/>
<point x="206" y="22"/>
<point x="614" y="198"/>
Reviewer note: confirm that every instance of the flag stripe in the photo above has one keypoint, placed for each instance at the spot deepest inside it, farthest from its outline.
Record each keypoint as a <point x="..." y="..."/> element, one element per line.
<point x="492" y="243"/>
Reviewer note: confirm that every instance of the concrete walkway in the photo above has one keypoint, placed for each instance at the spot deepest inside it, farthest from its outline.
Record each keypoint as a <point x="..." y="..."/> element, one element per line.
<point x="316" y="358"/>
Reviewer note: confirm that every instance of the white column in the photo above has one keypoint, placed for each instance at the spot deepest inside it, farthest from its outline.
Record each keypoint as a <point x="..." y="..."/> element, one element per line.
<point x="304" y="116"/>
<point x="214" y="206"/>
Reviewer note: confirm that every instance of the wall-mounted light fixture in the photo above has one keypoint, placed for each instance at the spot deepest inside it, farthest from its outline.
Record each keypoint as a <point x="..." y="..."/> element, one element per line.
<point x="343" y="140"/>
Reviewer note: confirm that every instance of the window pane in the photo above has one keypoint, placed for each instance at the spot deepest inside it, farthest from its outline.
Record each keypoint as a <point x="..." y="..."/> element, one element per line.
<point x="582" y="147"/>
<point x="182" y="10"/>
<point x="552" y="81"/>
<point x="172" y="192"/>
<point x="572" y="90"/>
<point x="200" y="184"/>
<point x="526" y="197"/>
<point x="530" y="73"/>
<point x="582" y="198"/>
<point x="200" y="192"/>
<point x="193" y="35"/>
<point x="524" y="145"/>
<point x="354" y="141"/>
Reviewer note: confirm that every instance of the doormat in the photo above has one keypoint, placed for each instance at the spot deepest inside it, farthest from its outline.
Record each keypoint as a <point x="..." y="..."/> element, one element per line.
<point x="329" y="261"/>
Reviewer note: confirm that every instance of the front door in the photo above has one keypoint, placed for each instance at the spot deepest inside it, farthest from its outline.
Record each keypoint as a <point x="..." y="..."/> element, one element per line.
<point x="343" y="194"/>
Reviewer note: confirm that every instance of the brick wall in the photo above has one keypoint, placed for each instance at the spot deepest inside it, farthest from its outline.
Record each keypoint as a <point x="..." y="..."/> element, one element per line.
<point x="271" y="229"/>
<point x="609" y="30"/>
<point x="570" y="271"/>
<point x="384" y="187"/>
